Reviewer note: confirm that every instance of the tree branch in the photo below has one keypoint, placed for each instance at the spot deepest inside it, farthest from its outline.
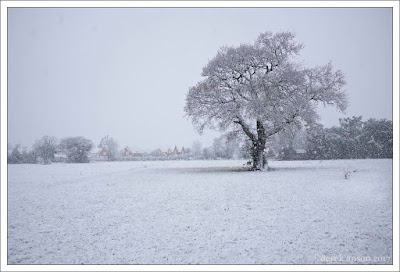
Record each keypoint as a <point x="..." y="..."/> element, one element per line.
<point x="245" y="128"/>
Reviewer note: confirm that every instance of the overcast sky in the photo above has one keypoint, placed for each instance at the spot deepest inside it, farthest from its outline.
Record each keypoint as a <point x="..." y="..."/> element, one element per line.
<point x="125" y="72"/>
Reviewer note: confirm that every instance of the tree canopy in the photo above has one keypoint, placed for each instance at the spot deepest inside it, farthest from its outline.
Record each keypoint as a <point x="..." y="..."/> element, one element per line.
<point x="76" y="148"/>
<point x="262" y="89"/>
<point x="45" y="148"/>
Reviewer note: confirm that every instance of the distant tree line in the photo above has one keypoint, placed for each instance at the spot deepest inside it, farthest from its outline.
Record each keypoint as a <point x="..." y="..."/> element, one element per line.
<point x="19" y="154"/>
<point x="44" y="150"/>
<point x="352" y="139"/>
<point x="227" y="146"/>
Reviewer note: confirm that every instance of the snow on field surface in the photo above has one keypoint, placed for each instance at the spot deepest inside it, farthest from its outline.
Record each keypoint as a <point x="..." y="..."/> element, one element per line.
<point x="200" y="212"/>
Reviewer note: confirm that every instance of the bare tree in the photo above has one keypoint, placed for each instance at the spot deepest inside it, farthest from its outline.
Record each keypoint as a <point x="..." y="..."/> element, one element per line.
<point x="111" y="145"/>
<point x="196" y="148"/>
<point x="45" y="148"/>
<point x="261" y="89"/>
<point x="14" y="155"/>
<point x="76" y="148"/>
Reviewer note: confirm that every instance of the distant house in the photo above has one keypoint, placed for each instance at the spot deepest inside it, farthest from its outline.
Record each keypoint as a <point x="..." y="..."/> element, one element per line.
<point x="127" y="153"/>
<point x="169" y="153"/>
<point x="158" y="152"/>
<point x="103" y="153"/>
<point x="99" y="155"/>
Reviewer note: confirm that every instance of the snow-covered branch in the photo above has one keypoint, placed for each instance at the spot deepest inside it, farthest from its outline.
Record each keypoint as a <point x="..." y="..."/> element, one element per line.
<point x="262" y="89"/>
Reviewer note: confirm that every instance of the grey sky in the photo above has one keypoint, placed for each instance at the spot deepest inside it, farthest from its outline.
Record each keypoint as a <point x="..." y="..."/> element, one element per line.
<point x="125" y="72"/>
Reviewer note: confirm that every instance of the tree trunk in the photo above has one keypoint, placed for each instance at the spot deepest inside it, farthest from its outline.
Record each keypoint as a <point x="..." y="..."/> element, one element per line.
<point x="259" y="160"/>
<point x="258" y="141"/>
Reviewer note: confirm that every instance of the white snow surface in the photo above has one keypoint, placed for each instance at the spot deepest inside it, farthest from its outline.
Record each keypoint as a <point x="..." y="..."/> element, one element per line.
<point x="200" y="212"/>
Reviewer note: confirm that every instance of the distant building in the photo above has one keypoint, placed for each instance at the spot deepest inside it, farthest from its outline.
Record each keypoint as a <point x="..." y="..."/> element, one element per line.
<point x="99" y="155"/>
<point x="127" y="153"/>
<point x="176" y="152"/>
<point x="103" y="153"/>
<point x="158" y="152"/>
<point x="169" y="153"/>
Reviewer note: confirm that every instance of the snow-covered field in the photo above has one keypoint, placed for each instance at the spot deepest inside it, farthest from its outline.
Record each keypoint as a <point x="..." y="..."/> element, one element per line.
<point x="200" y="212"/>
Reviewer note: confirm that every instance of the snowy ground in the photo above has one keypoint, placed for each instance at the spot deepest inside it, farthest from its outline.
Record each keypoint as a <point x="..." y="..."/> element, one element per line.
<point x="206" y="212"/>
